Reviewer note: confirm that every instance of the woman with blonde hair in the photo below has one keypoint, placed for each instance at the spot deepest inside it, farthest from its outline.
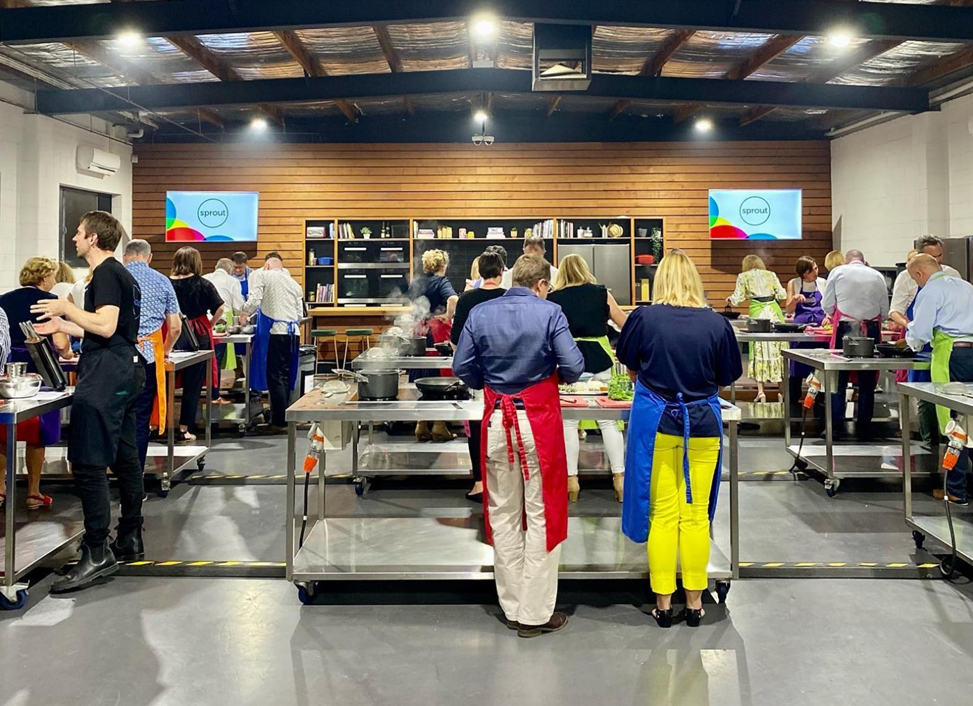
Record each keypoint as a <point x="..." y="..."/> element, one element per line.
<point x="37" y="279"/>
<point x="833" y="260"/>
<point x="763" y="289"/>
<point x="680" y="352"/>
<point x="588" y="306"/>
<point x="434" y="305"/>
<point x="64" y="281"/>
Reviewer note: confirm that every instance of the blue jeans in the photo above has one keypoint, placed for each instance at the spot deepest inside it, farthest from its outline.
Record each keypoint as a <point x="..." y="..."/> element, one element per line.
<point x="960" y="370"/>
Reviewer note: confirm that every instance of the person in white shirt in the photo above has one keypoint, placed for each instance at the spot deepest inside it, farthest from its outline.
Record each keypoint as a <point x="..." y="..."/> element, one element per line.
<point x="226" y="284"/>
<point x="65" y="281"/>
<point x="857" y="302"/>
<point x="533" y="245"/>
<point x="280" y="301"/>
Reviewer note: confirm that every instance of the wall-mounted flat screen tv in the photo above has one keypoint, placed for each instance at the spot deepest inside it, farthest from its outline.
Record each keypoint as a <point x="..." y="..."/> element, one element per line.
<point x="211" y="216"/>
<point x="761" y="214"/>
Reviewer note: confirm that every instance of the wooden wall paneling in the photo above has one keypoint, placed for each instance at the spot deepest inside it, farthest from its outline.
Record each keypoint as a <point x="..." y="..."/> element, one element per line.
<point x="584" y="180"/>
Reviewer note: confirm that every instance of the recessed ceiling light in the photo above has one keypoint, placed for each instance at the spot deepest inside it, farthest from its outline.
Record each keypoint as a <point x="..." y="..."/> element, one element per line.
<point x="485" y="26"/>
<point x="129" y="38"/>
<point x="839" y="39"/>
<point x="480" y="116"/>
<point x="258" y="124"/>
<point x="703" y="125"/>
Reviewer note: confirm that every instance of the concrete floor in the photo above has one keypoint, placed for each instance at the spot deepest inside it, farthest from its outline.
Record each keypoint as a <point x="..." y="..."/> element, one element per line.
<point x="182" y="641"/>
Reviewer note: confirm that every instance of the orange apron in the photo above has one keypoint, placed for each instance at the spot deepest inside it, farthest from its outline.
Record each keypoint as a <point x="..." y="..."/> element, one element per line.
<point x="158" y="419"/>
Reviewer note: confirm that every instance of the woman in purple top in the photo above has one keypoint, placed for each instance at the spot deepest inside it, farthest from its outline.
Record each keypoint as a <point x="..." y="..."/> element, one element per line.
<point x="37" y="278"/>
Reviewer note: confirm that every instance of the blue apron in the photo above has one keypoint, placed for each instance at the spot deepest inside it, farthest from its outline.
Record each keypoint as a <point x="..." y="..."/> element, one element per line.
<point x="926" y="352"/>
<point x="647" y="410"/>
<point x="261" y="341"/>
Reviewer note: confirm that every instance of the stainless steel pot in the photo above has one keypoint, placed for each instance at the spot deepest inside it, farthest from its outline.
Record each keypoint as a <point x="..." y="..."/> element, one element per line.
<point x="403" y="345"/>
<point x="378" y="385"/>
<point x="857" y="347"/>
<point x="759" y="326"/>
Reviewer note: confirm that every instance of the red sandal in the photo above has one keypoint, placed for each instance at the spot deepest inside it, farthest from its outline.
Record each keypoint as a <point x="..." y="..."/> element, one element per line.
<point x="39" y="502"/>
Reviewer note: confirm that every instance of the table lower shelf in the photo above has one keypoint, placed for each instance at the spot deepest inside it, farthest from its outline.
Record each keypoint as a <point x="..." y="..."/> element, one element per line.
<point x="879" y="460"/>
<point x="936" y="527"/>
<point x="437" y="548"/>
<point x="36" y="540"/>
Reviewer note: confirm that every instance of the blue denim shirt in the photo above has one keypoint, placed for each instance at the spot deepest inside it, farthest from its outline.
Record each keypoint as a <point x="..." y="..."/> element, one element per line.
<point x="515" y="341"/>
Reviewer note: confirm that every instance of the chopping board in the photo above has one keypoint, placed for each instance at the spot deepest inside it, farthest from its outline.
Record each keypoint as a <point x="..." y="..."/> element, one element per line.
<point x="573" y="401"/>
<point x="609" y="403"/>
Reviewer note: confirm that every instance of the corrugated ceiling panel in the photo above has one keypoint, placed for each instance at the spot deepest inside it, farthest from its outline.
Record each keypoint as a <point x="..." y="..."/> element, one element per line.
<point x="253" y="54"/>
<point x="624" y="49"/>
<point x="515" y="45"/>
<point x="713" y="54"/>
<point x="891" y="66"/>
<point x="346" y="50"/>
<point x="429" y="47"/>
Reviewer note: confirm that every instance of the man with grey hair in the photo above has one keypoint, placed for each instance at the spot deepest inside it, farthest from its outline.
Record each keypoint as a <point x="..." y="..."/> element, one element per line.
<point x="226" y="284"/>
<point x="904" y="294"/>
<point x="159" y="306"/>
<point x="516" y="348"/>
<point x="534" y="245"/>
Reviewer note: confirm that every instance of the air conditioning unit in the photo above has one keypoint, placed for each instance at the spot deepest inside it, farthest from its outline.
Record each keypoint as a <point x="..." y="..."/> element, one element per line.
<point x="92" y="160"/>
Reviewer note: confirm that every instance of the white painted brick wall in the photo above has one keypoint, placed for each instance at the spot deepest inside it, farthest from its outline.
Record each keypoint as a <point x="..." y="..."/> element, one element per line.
<point x="894" y="182"/>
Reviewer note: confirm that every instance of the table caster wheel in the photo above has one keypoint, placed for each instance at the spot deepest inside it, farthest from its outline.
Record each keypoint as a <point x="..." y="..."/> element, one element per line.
<point x="722" y="589"/>
<point x="19" y="602"/>
<point x="241" y="431"/>
<point x="946" y="567"/>
<point x="831" y="487"/>
<point x="200" y="465"/>
<point x="361" y="486"/>
<point x="919" y="538"/>
<point x="162" y="493"/>
<point x="306" y="592"/>
<point x="800" y="465"/>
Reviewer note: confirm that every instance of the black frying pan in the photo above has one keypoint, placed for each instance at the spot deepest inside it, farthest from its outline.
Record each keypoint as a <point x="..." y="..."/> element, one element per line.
<point x="440" y="388"/>
<point x="729" y="313"/>
<point x="785" y="327"/>
<point x="890" y="350"/>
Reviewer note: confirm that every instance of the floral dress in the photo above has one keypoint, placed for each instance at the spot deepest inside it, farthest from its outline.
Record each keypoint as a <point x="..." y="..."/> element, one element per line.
<point x="763" y="289"/>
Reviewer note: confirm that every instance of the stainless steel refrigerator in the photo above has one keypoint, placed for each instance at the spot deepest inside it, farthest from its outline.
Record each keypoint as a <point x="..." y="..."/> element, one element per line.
<point x="610" y="264"/>
<point x="958" y="253"/>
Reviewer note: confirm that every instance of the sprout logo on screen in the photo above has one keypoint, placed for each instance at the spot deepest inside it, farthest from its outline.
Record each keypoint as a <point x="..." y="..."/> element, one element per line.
<point x="755" y="211"/>
<point x="212" y="213"/>
<point x="211" y="216"/>
<point x="755" y="214"/>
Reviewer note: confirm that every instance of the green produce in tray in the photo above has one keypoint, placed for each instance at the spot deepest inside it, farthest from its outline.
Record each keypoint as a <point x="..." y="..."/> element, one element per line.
<point x="621" y="388"/>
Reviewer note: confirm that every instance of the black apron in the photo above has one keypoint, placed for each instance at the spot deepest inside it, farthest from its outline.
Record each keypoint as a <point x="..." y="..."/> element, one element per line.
<point x="109" y="383"/>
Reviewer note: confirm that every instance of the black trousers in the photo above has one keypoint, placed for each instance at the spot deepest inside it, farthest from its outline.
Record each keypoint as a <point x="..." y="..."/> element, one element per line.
<point x="192" y="387"/>
<point x="473" y="444"/>
<point x="280" y="352"/>
<point x="143" y="413"/>
<point x="960" y="370"/>
<point x="867" y="381"/>
<point x="92" y="485"/>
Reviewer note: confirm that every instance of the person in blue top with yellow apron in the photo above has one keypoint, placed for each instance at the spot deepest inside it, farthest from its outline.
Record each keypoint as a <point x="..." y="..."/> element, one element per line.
<point x="943" y="314"/>
<point x="681" y="352"/>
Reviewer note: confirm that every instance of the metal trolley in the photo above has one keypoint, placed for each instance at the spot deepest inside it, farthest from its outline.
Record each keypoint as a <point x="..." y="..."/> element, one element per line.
<point x="860" y="461"/>
<point x="26" y="546"/>
<point x="932" y="521"/>
<point x="450" y="548"/>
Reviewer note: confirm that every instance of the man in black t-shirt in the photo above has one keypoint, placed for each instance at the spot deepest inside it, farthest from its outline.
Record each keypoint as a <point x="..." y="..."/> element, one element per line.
<point x="110" y="379"/>
<point x="491" y="267"/>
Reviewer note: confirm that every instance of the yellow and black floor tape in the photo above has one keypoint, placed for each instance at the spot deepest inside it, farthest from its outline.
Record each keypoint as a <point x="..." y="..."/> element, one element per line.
<point x="204" y="569"/>
<point x="838" y="569"/>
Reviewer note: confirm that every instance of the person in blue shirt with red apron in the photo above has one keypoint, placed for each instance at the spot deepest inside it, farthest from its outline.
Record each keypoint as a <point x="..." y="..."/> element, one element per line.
<point x="103" y="414"/>
<point x="516" y="348"/>
<point x="680" y="352"/>
<point x="944" y="317"/>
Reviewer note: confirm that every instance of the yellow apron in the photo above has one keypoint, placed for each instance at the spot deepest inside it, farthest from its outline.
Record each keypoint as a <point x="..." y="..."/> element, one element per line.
<point x="158" y="418"/>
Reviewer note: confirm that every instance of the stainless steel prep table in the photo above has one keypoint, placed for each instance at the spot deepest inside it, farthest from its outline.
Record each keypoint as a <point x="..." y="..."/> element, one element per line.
<point x="927" y="517"/>
<point x="830" y="363"/>
<point x="37" y="539"/>
<point x="178" y="458"/>
<point x="452" y="548"/>
<point x="232" y="413"/>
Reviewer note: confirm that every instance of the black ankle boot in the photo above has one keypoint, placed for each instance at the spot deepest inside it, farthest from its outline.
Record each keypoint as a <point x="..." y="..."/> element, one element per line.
<point x="693" y="616"/>
<point x="663" y="617"/>
<point x="128" y="544"/>
<point x="96" y="563"/>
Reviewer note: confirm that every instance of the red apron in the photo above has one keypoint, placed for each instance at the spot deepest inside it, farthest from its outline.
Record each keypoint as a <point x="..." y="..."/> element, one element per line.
<point x="542" y="406"/>
<point x="202" y="326"/>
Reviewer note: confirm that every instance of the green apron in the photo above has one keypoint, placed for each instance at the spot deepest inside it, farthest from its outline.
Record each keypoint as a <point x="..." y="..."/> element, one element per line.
<point x="757" y="308"/>
<point x="587" y="424"/>
<point x="229" y="358"/>
<point x="942" y="349"/>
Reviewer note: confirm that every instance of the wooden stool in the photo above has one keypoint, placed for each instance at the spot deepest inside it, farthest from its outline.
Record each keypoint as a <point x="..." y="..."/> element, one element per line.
<point x="364" y="338"/>
<point x="325" y="333"/>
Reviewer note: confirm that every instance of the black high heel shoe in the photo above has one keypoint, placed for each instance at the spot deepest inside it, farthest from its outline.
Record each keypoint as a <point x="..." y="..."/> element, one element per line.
<point x="693" y="616"/>
<point x="663" y="618"/>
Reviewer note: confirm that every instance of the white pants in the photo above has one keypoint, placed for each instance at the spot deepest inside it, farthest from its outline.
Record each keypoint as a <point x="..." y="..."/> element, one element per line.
<point x="525" y="571"/>
<point x="610" y="433"/>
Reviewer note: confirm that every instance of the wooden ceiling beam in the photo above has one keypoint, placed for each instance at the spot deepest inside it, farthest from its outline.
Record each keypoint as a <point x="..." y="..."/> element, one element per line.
<point x="770" y="50"/>
<point x="312" y="66"/>
<point x="394" y="60"/>
<point x="654" y="64"/>
<point x="827" y="73"/>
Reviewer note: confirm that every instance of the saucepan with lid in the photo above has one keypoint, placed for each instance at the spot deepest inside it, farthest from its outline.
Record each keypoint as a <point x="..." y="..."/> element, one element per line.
<point x="857" y="347"/>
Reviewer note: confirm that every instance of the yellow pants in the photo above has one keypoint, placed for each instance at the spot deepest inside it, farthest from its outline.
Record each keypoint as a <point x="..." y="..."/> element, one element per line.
<point x="675" y="525"/>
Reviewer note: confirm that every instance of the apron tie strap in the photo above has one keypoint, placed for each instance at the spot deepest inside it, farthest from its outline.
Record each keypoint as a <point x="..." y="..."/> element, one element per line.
<point x="511" y="420"/>
<point x="685" y="447"/>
